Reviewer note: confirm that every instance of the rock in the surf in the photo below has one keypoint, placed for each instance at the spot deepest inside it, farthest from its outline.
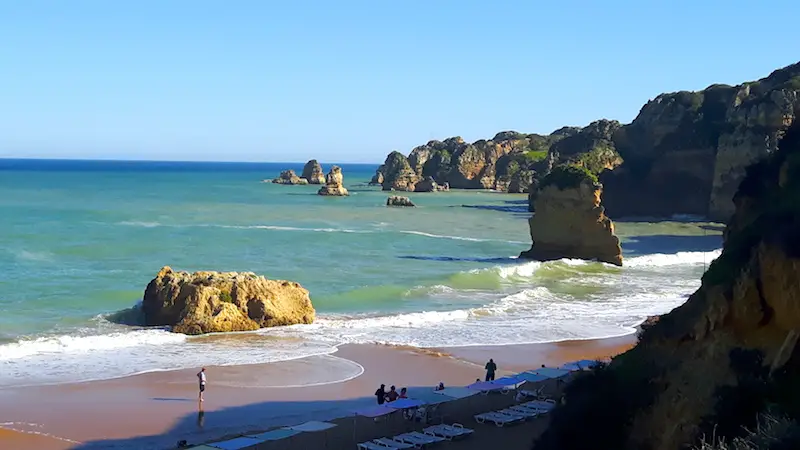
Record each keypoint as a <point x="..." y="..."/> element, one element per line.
<point x="313" y="173"/>
<point x="377" y="179"/>
<point x="333" y="183"/>
<point x="429" y="184"/>
<point x="396" y="200"/>
<point x="210" y="302"/>
<point x="289" y="177"/>
<point x="569" y="221"/>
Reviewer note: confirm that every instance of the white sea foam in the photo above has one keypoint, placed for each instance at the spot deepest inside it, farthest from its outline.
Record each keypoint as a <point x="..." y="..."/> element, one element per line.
<point x="662" y="259"/>
<point x="83" y="344"/>
<point x="456" y="238"/>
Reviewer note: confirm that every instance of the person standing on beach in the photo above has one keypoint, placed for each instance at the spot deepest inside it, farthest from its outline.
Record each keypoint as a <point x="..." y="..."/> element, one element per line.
<point x="201" y="377"/>
<point x="380" y="394"/>
<point x="491" y="367"/>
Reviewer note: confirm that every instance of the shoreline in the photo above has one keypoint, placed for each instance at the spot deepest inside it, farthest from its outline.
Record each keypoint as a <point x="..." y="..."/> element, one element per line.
<point x="159" y="408"/>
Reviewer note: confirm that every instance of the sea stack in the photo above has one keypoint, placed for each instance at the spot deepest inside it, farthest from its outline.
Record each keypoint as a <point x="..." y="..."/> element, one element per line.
<point x="396" y="200"/>
<point x="313" y="173"/>
<point x="289" y="177"/>
<point x="570" y="221"/>
<point x="333" y="183"/>
<point x="211" y="302"/>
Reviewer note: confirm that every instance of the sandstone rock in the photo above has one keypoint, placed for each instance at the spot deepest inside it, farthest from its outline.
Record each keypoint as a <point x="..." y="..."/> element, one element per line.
<point x="210" y="302"/>
<point x="312" y="172"/>
<point x="428" y="184"/>
<point x="396" y="200"/>
<point x="570" y="222"/>
<point x="734" y="338"/>
<point x="685" y="153"/>
<point x="377" y="179"/>
<point x="398" y="174"/>
<point x="333" y="183"/>
<point x="289" y="177"/>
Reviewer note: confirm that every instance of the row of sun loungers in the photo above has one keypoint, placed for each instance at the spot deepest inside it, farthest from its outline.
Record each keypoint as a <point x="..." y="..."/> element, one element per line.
<point x="415" y="439"/>
<point x="517" y="414"/>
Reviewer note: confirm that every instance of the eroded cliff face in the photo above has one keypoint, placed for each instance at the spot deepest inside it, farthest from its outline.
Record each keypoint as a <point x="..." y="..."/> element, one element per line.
<point x="209" y="302"/>
<point x="685" y="153"/>
<point x="570" y="223"/>
<point x="672" y="386"/>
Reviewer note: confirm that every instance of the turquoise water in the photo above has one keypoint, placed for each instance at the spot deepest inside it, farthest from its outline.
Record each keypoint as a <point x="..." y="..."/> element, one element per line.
<point x="81" y="240"/>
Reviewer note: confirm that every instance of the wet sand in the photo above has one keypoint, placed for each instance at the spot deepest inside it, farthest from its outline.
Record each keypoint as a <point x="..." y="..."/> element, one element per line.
<point x="155" y="410"/>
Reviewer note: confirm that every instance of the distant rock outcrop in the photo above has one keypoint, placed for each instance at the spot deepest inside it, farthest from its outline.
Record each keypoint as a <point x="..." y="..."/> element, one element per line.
<point x="377" y="179"/>
<point x="211" y="302"/>
<point x="429" y="184"/>
<point x="312" y="172"/>
<point x="569" y="221"/>
<point x="333" y="183"/>
<point x="289" y="177"/>
<point x="398" y="174"/>
<point x="396" y="200"/>
<point x="730" y="352"/>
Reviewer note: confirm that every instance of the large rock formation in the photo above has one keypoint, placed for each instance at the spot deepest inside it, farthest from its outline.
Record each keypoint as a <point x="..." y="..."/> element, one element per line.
<point x="685" y="153"/>
<point x="333" y="183"/>
<point x="398" y="174"/>
<point x="569" y="221"/>
<point x="289" y="177"/>
<point x="709" y="366"/>
<point x="210" y="302"/>
<point x="312" y="172"/>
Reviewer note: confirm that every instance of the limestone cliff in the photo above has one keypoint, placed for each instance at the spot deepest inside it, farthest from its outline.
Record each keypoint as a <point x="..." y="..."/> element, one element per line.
<point x="313" y="173"/>
<point x="685" y="153"/>
<point x="712" y="364"/>
<point x="289" y="177"/>
<point x="569" y="221"/>
<point x="210" y="302"/>
<point x="334" y="183"/>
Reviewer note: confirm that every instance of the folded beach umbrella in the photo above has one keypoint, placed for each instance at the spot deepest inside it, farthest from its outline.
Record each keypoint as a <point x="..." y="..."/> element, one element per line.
<point x="531" y="377"/>
<point x="550" y="372"/>
<point x="405" y="403"/>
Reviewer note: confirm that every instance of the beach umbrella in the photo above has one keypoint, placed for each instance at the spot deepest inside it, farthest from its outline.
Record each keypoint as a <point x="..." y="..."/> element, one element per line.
<point x="456" y="392"/>
<point x="551" y="372"/>
<point x="274" y="437"/>
<point x="312" y="426"/>
<point x="531" y="377"/>
<point x="236" y="443"/>
<point x="406" y="403"/>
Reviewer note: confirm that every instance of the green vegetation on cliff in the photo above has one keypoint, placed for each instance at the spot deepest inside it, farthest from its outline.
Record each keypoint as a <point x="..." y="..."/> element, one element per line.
<point x="568" y="176"/>
<point x="709" y="368"/>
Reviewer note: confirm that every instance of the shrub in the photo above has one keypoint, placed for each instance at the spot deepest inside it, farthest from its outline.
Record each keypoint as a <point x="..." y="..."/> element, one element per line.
<point x="225" y="297"/>
<point x="568" y="176"/>
<point x="534" y="156"/>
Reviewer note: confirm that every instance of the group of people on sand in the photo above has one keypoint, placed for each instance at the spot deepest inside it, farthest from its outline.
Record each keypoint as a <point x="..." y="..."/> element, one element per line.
<point x="384" y="396"/>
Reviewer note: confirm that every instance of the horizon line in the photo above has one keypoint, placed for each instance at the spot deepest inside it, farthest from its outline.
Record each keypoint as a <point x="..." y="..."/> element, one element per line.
<point x="3" y="158"/>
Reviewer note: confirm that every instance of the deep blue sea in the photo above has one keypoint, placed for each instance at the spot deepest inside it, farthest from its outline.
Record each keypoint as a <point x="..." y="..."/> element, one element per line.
<point x="80" y="240"/>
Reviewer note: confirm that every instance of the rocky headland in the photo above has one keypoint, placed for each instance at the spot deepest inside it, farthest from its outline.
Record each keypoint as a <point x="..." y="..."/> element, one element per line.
<point x="729" y="355"/>
<point x="210" y="302"/>
<point x="333" y="183"/>
<point x="570" y="221"/>
<point x="684" y="153"/>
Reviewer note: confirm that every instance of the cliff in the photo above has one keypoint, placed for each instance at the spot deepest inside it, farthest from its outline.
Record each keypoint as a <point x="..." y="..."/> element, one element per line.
<point x="569" y="221"/>
<point x="685" y="153"/>
<point x="730" y="352"/>
<point x="210" y="302"/>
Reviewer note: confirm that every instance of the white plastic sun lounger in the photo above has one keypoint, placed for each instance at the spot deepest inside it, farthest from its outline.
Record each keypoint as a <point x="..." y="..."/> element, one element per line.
<point x="541" y="404"/>
<point x="498" y="419"/>
<point x="448" y="432"/>
<point x="418" y="438"/>
<point x="526" y="413"/>
<point x="373" y="446"/>
<point x="391" y="443"/>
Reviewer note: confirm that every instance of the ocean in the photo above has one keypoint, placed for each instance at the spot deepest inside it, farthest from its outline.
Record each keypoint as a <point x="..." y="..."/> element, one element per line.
<point x="80" y="240"/>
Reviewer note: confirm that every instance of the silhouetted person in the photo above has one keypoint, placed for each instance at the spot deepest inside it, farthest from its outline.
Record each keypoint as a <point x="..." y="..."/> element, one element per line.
<point x="392" y="394"/>
<point x="491" y="368"/>
<point x="380" y="394"/>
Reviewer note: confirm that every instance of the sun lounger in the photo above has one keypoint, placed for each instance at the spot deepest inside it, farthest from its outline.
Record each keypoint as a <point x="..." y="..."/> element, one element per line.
<point x="391" y="443"/>
<point x="371" y="445"/>
<point x="448" y="432"/>
<point x="498" y="419"/>
<point x="418" y="438"/>
<point x="526" y="413"/>
<point x="532" y="408"/>
<point x="543" y="404"/>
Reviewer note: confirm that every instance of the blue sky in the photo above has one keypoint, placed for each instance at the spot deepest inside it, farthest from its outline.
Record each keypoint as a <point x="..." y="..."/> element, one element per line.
<point x="350" y="81"/>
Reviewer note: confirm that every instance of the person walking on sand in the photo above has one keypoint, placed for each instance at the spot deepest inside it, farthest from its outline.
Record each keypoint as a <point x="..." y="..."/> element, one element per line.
<point x="201" y="377"/>
<point x="380" y="394"/>
<point x="491" y="368"/>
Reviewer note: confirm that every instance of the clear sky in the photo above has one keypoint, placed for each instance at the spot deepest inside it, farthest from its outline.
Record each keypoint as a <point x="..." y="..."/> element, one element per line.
<point x="349" y="81"/>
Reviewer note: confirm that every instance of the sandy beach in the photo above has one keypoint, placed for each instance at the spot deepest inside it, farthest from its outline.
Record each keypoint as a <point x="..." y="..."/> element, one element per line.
<point x="155" y="410"/>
